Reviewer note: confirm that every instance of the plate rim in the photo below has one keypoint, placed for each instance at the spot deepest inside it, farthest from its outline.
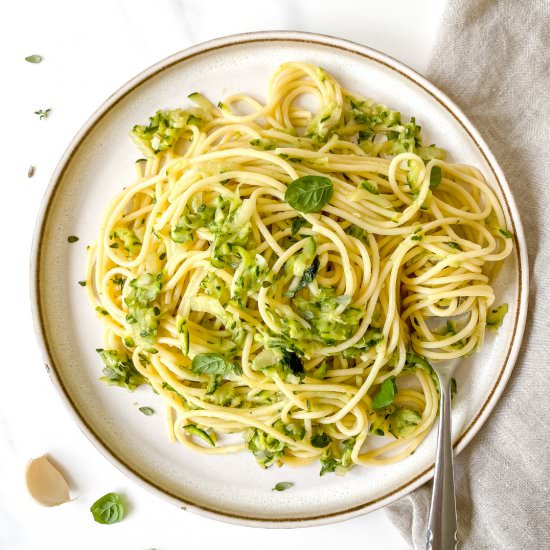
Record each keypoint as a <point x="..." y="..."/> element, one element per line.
<point x="340" y="44"/>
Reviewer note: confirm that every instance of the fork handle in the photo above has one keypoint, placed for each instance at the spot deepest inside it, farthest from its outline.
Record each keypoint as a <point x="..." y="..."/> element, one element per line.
<point x="442" y="524"/>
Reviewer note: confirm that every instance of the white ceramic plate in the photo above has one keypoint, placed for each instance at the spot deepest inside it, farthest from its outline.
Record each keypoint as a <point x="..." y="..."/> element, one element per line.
<point x="99" y="162"/>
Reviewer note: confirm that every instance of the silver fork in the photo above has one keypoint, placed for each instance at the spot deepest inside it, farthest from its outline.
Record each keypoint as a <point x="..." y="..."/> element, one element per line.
<point x="442" y="524"/>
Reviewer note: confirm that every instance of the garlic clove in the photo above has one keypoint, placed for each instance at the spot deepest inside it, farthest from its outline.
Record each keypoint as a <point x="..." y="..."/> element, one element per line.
<point x="45" y="482"/>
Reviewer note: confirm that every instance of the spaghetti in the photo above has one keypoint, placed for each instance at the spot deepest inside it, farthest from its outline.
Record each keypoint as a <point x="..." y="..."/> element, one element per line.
<point x="283" y="275"/>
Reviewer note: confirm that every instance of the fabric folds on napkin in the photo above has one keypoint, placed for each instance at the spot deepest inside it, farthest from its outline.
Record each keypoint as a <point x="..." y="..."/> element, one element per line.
<point x="493" y="58"/>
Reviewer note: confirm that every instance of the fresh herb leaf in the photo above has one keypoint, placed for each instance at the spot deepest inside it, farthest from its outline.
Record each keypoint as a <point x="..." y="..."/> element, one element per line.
<point x="72" y="238"/>
<point x="211" y="363"/>
<point x="42" y="113"/>
<point x="147" y="411"/>
<point x="385" y="395"/>
<point x="309" y="193"/>
<point x="82" y="283"/>
<point x="320" y="440"/>
<point x="435" y="177"/>
<point x="283" y="486"/>
<point x="108" y="509"/>
<point x="454" y="245"/>
<point x="505" y="233"/>
<point x="35" y="58"/>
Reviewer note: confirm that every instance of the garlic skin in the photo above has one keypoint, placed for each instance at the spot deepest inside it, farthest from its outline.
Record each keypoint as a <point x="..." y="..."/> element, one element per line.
<point x="45" y="482"/>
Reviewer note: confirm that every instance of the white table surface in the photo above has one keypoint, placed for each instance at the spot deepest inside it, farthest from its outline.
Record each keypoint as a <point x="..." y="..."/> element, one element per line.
<point x="90" y="49"/>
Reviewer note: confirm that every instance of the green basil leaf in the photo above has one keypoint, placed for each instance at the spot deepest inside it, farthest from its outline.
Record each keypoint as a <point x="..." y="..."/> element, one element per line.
<point x="35" y="58"/>
<point x="211" y="363"/>
<point x="309" y="193"/>
<point x="108" y="509"/>
<point x="283" y="486"/>
<point x="385" y="395"/>
<point x="147" y="411"/>
<point x="435" y="177"/>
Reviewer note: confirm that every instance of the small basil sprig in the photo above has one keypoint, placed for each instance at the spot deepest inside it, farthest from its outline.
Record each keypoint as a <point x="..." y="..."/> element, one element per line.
<point x="309" y="193"/>
<point x="385" y="395"/>
<point x="43" y="113"/>
<point x="108" y="509"/>
<point x="211" y="363"/>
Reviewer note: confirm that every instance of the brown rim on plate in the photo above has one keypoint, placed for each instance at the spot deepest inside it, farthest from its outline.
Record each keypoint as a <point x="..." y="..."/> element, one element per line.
<point x="349" y="47"/>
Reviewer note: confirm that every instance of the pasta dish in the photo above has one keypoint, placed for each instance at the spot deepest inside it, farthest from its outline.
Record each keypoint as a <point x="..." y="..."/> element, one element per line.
<point x="283" y="273"/>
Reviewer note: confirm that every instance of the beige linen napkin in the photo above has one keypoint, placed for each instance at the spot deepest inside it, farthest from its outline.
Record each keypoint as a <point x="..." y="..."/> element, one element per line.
<point x="493" y="59"/>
